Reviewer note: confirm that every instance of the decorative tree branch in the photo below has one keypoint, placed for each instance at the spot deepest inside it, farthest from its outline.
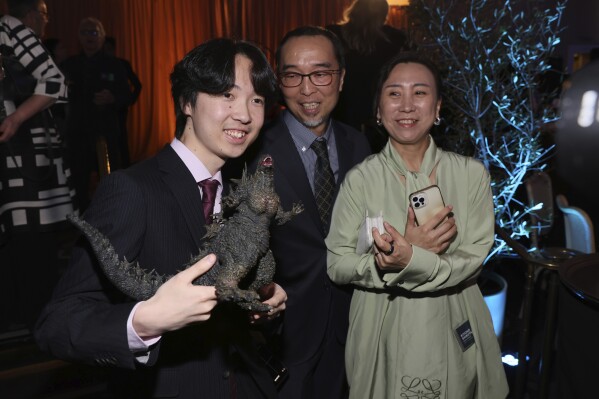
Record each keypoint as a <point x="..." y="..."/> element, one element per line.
<point x="493" y="53"/>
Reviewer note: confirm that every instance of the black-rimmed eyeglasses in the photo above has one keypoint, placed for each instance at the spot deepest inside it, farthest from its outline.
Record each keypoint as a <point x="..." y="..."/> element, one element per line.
<point x="318" y="78"/>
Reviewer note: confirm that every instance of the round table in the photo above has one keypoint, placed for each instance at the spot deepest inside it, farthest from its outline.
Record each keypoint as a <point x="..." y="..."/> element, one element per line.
<point x="578" y="327"/>
<point x="581" y="276"/>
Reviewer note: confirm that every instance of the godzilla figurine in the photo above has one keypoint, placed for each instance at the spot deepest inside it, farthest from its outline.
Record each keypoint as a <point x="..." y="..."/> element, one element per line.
<point x="240" y="242"/>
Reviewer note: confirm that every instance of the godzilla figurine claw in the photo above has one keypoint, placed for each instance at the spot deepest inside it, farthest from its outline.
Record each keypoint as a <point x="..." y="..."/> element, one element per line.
<point x="241" y="243"/>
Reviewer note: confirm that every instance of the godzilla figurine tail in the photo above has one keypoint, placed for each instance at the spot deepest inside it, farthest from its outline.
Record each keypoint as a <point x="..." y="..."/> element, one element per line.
<point x="129" y="278"/>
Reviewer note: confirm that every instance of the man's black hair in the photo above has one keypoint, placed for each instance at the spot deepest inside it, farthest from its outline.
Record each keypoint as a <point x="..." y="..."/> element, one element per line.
<point x="20" y="8"/>
<point x="210" y="68"/>
<point x="313" y="31"/>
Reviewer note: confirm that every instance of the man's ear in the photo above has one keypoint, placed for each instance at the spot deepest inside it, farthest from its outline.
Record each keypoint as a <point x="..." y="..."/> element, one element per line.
<point x="341" y="78"/>
<point x="185" y="107"/>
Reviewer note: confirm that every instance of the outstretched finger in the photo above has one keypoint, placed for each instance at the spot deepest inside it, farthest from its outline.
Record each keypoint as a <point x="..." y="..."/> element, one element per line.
<point x="198" y="268"/>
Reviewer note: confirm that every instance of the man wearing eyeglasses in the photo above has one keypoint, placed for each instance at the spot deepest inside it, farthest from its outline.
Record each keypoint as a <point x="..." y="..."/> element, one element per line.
<point x="98" y="89"/>
<point x="311" y="338"/>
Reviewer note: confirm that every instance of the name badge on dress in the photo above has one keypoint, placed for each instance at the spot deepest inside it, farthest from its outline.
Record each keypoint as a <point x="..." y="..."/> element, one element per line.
<point x="464" y="335"/>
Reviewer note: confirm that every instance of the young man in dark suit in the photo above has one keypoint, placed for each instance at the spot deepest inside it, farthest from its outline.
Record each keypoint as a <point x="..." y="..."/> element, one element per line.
<point x="178" y="343"/>
<point x="311" y="70"/>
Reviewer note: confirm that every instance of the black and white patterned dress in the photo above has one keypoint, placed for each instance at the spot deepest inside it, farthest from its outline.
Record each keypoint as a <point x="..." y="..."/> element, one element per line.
<point x="35" y="193"/>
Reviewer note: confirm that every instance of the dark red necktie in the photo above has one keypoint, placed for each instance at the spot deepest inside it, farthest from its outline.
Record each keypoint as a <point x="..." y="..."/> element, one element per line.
<point x="209" y="188"/>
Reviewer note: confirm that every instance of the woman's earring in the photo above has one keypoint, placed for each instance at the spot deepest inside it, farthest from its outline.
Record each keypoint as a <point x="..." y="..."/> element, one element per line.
<point x="379" y="122"/>
<point x="437" y="121"/>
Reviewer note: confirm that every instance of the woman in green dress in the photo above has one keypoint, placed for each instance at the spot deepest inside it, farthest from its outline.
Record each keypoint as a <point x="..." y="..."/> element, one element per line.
<point x="419" y="326"/>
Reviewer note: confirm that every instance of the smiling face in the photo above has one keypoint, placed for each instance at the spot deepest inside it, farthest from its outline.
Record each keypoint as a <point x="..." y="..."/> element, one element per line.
<point x="311" y="105"/>
<point x="222" y="126"/>
<point x="408" y="104"/>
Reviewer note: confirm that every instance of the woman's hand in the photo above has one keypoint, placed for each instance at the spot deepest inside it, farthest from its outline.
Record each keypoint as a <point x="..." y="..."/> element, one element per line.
<point x="436" y="234"/>
<point x="391" y="250"/>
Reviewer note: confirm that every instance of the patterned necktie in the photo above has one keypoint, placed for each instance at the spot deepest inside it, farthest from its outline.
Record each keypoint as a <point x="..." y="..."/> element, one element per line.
<point x="324" y="182"/>
<point x="209" y="188"/>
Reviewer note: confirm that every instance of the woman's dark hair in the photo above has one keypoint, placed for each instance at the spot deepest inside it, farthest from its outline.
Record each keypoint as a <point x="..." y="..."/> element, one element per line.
<point x="404" y="58"/>
<point x="210" y="68"/>
<point x="313" y="31"/>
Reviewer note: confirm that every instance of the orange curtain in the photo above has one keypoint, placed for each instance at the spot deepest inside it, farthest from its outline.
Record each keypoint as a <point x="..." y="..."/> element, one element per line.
<point x="398" y="17"/>
<point x="154" y="34"/>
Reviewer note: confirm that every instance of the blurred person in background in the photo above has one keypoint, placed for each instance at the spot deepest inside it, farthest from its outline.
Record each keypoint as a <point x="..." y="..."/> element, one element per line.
<point x="135" y="90"/>
<point x="98" y="89"/>
<point x="35" y="194"/>
<point x="368" y="43"/>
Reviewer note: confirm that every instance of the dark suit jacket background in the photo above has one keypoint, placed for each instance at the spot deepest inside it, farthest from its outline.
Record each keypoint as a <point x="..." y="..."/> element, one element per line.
<point x="355" y="106"/>
<point x="152" y="213"/>
<point x="299" y="249"/>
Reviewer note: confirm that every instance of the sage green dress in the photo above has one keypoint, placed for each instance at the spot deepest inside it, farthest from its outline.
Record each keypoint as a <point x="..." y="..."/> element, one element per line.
<point x="402" y="340"/>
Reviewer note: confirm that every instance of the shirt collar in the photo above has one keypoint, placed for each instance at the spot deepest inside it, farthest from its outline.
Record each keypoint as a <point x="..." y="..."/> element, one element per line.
<point x="429" y="162"/>
<point x="195" y="166"/>
<point x="302" y="136"/>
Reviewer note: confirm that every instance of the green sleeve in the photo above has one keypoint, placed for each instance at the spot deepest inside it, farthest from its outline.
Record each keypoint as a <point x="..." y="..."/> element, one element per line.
<point x="428" y="271"/>
<point x="344" y="265"/>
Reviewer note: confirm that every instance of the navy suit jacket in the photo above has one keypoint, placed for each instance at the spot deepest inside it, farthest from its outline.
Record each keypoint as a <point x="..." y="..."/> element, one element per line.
<point x="152" y="213"/>
<point x="315" y="306"/>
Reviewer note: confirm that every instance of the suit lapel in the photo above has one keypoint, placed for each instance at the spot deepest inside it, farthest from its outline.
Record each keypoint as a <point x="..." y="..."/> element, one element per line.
<point x="180" y="181"/>
<point x="291" y="169"/>
<point x="345" y="151"/>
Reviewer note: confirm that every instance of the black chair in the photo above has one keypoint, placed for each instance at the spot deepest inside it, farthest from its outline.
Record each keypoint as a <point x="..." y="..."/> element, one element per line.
<point x="538" y="258"/>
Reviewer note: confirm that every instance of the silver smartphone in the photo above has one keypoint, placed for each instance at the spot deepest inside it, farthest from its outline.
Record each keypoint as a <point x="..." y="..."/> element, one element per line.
<point x="426" y="203"/>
